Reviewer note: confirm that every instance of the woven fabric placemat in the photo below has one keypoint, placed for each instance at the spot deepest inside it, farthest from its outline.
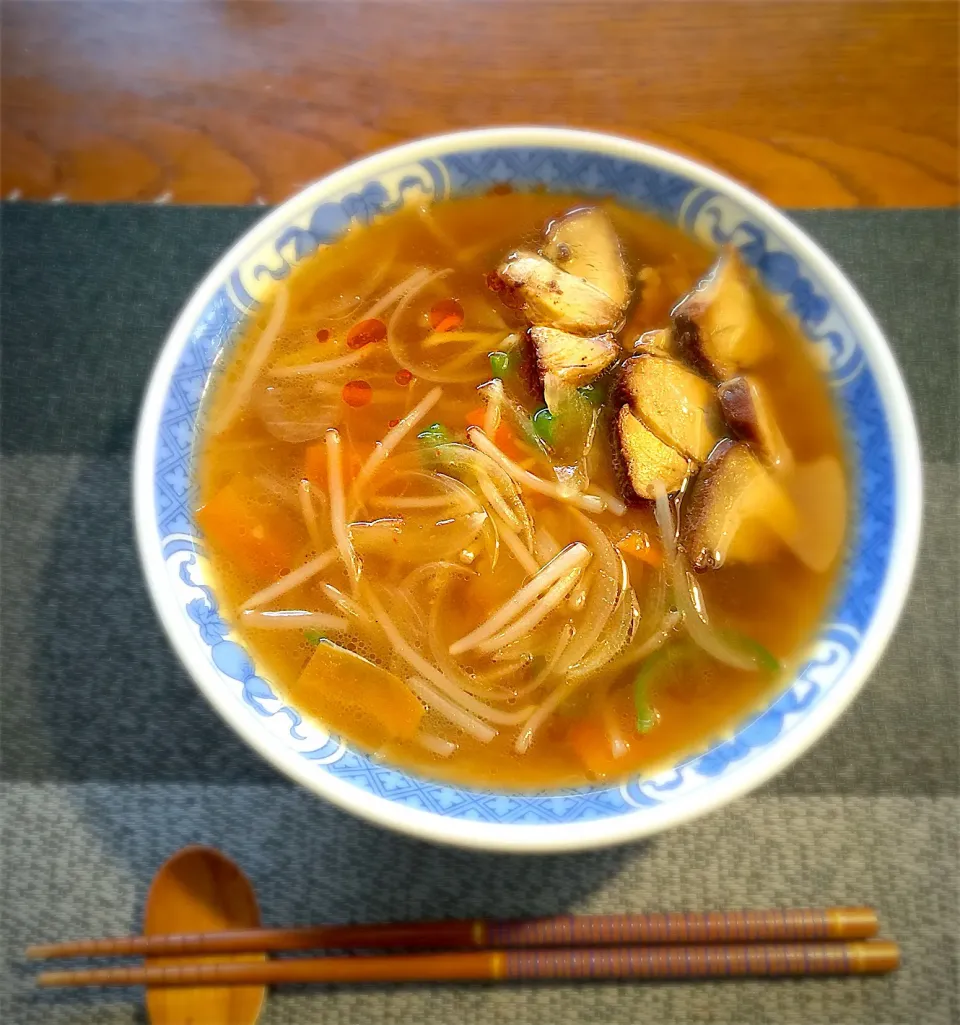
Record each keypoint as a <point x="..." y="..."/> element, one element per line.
<point x="110" y="759"/>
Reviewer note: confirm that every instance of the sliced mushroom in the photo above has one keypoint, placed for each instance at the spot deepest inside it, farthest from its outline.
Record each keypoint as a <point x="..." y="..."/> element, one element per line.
<point x="735" y="510"/>
<point x="718" y="324"/>
<point x="748" y="410"/>
<point x="573" y="359"/>
<point x="585" y="244"/>
<point x="645" y="457"/>
<point x="553" y="297"/>
<point x="679" y="406"/>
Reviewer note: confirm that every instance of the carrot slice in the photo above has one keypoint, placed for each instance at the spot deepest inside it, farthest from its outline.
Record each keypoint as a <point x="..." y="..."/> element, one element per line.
<point x="258" y="536"/>
<point x="475" y="417"/>
<point x="640" y="545"/>
<point x="589" y="740"/>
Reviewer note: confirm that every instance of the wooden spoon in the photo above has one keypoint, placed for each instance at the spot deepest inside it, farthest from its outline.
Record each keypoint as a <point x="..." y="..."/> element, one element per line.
<point x="199" y="889"/>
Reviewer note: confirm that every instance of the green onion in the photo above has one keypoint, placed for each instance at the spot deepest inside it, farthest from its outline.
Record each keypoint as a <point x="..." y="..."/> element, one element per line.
<point x="647" y="675"/>
<point x="314" y="637"/>
<point x="501" y="364"/>
<point x="765" y="659"/>
<point x="435" y="435"/>
<point x="543" y="425"/>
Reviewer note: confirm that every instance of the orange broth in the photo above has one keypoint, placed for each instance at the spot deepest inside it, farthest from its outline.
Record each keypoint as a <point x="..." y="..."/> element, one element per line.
<point x="252" y="505"/>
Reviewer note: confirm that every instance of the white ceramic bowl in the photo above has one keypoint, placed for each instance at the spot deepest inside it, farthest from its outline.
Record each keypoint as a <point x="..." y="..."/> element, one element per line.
<point x="870" y="396"/>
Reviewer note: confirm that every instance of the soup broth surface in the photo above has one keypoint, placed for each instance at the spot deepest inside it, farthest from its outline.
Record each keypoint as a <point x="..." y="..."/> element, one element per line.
<point x="439" y="539"/>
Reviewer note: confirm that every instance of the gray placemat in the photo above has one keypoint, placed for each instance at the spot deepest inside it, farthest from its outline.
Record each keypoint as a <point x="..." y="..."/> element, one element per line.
<point x="110" y="760"/>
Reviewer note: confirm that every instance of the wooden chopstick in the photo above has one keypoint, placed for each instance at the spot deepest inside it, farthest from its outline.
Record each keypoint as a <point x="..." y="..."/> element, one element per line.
<point x="596" y="963"/>
<point x="794" y="924"/>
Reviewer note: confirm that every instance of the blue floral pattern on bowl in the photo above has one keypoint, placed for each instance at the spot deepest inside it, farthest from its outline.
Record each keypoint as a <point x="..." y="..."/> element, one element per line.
<point x="708" y="214"/>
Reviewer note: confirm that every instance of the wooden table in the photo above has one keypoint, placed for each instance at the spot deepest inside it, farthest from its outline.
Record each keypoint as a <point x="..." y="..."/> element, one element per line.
<point x="243" y="101"/>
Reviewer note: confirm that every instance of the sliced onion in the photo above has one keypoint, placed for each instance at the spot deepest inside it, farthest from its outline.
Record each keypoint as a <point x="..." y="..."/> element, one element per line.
<point x="438" y="568"/>
<point x="414" y="538"/>
<point x="694" y="620"/>
<point x="462" y="460"/>
<point x="615" y="638"/>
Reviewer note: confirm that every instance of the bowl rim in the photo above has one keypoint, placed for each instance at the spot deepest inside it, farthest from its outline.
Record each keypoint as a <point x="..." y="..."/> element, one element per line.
<point x="602" y="832"/>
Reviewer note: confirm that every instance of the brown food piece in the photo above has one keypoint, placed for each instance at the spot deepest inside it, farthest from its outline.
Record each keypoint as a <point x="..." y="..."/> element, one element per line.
<point x="554" y="298"/>
<point x="748" y="410"/>
<point x="718" y="325"/>
<point x="735" y="511"/>
<point x="574" y="360"/>
<point x="585" y="244"/>
<point x="645" y="457"/>
<point x="679" y="406"/>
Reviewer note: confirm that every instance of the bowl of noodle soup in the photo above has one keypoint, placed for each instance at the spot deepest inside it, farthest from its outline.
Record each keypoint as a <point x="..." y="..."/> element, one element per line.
<point x="527" y="489"/>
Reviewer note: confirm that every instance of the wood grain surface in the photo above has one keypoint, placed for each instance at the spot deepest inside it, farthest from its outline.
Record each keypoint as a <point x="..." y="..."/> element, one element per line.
<point x="244" y="101"/>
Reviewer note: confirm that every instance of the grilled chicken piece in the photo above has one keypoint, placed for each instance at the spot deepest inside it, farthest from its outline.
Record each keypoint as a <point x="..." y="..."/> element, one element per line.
<point x="574" y="360"/>
<point x="718" y="325"/>
<point x="749" y="412"/>
<point x="645" y="457"/>
<point x="679" y="406"/>
<point x="554" y="298"/>
<point x="584" y="243"/>
<point x="735" y="511"/>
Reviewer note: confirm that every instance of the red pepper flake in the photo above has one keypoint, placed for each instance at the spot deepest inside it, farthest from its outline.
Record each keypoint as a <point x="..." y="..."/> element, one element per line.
<point x="403" y="377"/>
<point x="357" y="393"/>
<point x="446" y="315"/>
<point x="365" y="332"/>
<point x="323" y="334"/>
<point x="500" y="189"/>
<point x="393" y="423"/>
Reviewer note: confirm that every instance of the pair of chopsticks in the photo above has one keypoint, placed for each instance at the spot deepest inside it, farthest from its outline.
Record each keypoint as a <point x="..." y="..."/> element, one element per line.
<point x="807" y="941"/>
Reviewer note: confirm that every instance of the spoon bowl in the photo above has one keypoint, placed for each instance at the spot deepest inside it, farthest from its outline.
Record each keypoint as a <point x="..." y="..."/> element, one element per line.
<point x="200" y="889"/>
